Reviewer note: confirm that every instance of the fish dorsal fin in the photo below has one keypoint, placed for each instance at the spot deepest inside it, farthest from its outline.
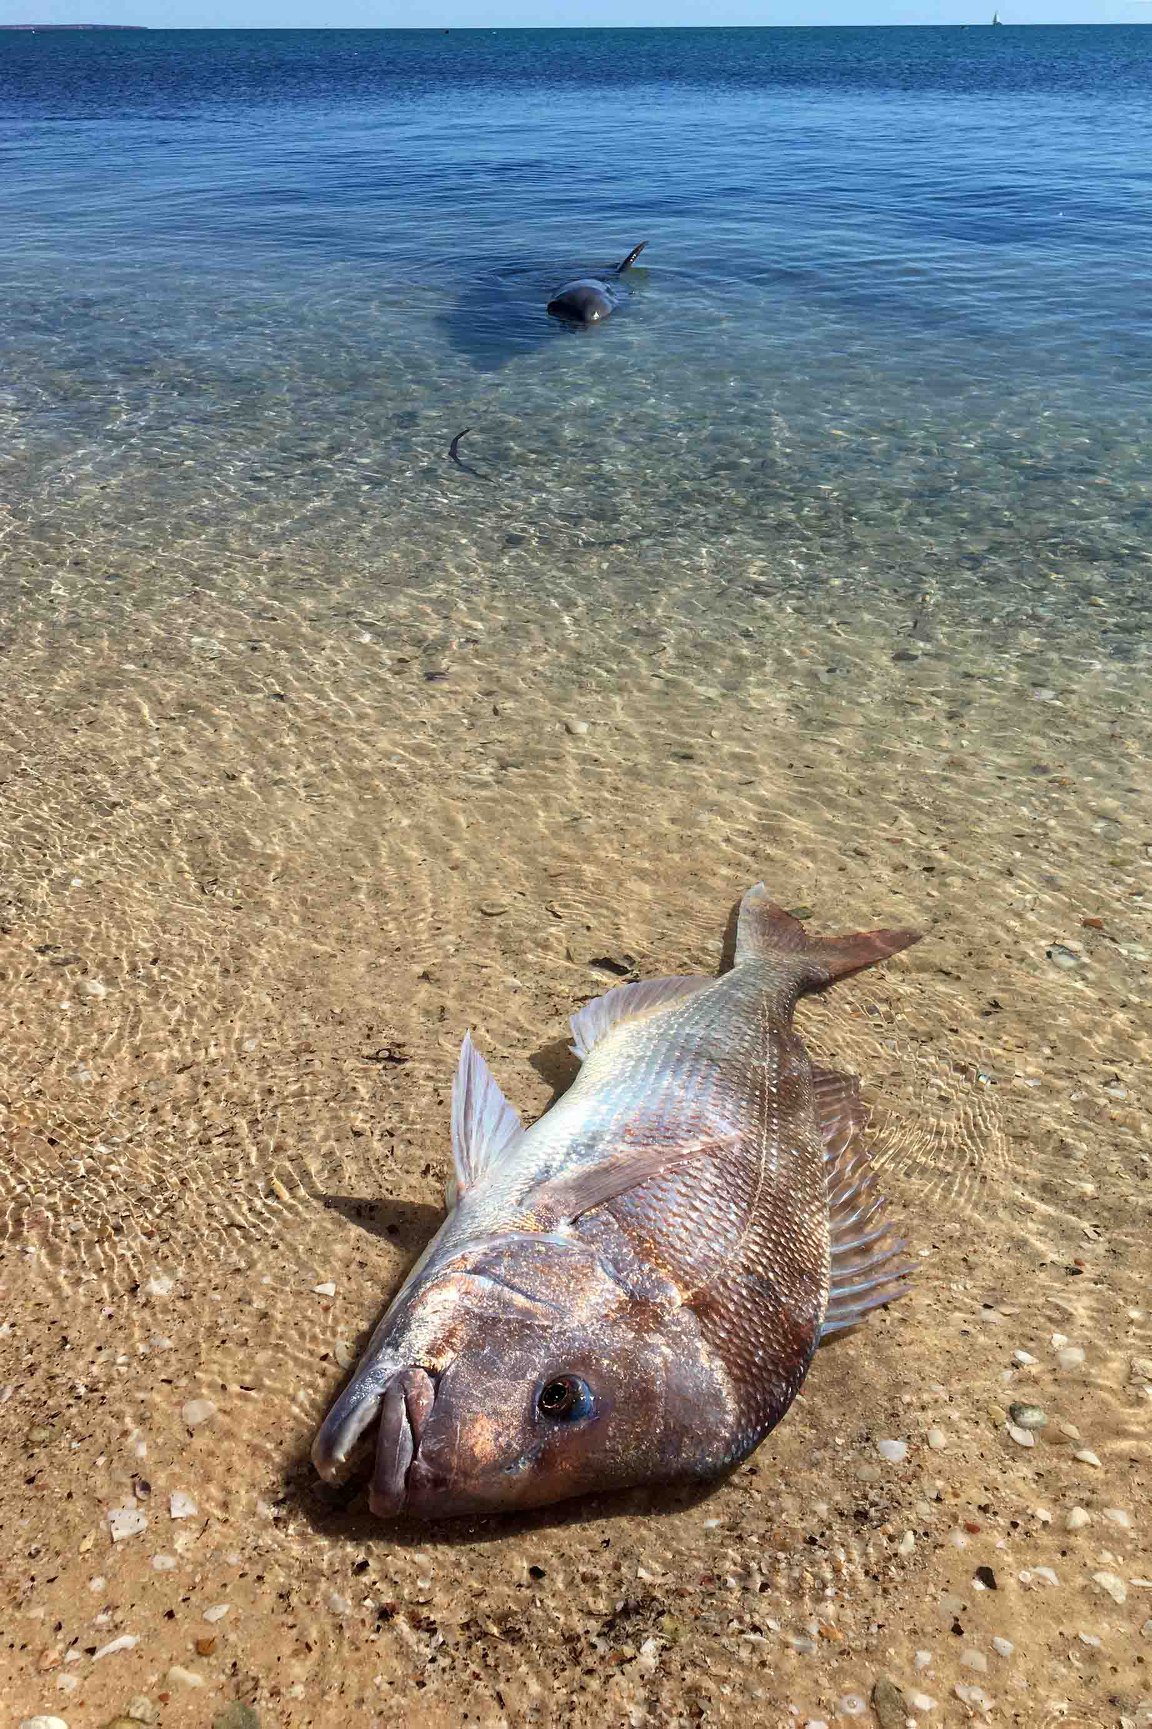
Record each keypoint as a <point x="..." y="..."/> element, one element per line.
<point x="868" y="1267"/>
<point x="839" y="1109"/>
<point x="564" y="1199"/>
<point x="627" y="1003"/>
<point x="484" y="1124"/>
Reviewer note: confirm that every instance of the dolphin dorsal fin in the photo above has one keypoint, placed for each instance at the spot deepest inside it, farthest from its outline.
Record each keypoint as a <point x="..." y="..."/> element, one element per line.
<point x="631" y="258"/>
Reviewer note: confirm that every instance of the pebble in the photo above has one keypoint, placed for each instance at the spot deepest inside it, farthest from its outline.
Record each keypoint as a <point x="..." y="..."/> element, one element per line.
<point x="160" y="1285"/>
<point x="1086" y="1457"/>
<point x="1117" y="1516"/>
<point x="975" y="1660"/>
<point x="888" y="1704"/>
<point x="1140" y="1369"/>
<point x="493" y="909"/>
<point x="1077" y="1518"/>
<point x="164" y="1563"/>
<point x="327" y="1289"/>
<point x="41" y="1721"/>
<point x="1022" y="1437"/>
<point x="236" y="1716"/>
<point x="1112" y="1585"/>
<point x="181" y="1505"/>
<point x="94" y="988"/>
<point x="894" y="1451"/>
<point x="922" y="1701"/>
<point x="1070" y="1357"/>
<point x="126" y="1522"/>
<point x="1003" y="1647"/>
<point x="1028" y="1416"/>
<point x="974" y="1696"/>
<point x="216" y="1611"/>
<point x="142" y="1710"/>
<point x="126" y="1642"/>
<point x="178" y="1677"/>
<point x="937" y="1440"/>
<point x="1060" y="956"/>
<point x="1025" y="1358"/>
<point x="576" y="727"/>
<point x="197" y="1411"/>
<point x="852" y="1705"/>
<point x="906" y="1544"/>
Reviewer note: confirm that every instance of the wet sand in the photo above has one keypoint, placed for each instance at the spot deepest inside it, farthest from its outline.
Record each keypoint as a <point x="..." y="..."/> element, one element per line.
<point x="275" y="839"/>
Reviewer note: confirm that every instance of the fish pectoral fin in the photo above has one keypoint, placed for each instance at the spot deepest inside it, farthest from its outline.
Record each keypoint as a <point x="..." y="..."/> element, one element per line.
<point x="562" y="1200"/>
<point x="839" y="1110"/>
<point x="623" y="1003"/>
<point x="868" y="1265"/>
<point x="484" y="1124"/>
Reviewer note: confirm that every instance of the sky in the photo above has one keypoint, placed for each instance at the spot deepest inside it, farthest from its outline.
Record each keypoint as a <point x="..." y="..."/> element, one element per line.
<point x="256" y="14"/>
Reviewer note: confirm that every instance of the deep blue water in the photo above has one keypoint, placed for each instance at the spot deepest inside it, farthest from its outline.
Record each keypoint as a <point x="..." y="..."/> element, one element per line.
<point x="933" y="245"/>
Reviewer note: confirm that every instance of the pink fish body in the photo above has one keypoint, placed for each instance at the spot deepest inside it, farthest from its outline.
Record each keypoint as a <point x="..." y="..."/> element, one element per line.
<point x="631" y="1290"/>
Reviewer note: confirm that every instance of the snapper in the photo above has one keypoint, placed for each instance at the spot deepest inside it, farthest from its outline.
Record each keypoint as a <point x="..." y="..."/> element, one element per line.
<point x="632" y="1289"/>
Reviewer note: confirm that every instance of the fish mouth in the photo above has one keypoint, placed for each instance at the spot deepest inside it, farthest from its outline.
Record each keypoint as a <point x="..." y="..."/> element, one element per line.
<point x="406" y="1407"/>
<point x="403" y="1404"/>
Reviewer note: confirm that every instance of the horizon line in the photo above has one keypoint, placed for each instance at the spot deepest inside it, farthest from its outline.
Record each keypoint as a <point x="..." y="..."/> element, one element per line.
<point x="558" y="29"/>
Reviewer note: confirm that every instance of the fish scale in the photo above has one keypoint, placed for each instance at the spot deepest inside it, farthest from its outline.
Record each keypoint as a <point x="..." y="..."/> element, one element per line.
<point x="632" y="1288"/>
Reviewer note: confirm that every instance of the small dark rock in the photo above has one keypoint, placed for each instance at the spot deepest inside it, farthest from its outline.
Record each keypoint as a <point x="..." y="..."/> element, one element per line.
<point x="888" y="1705"/>
<point x="987" y="1578"/>
<point x="236" y="1716"/>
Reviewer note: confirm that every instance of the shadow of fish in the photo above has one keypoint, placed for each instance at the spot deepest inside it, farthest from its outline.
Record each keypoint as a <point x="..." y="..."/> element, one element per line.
<point x="632" y="1289"/>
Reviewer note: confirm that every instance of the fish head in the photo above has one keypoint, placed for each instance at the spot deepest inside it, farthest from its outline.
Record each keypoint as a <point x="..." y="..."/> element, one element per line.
<point x="532" y="1375"/>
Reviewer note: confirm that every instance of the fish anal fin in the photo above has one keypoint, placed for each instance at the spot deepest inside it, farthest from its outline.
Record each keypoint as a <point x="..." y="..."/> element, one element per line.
<point x="562" y="1200"/>
<point x="484" y="1124"/>
<point x="623" y="1003"/>
<point x="868" y="1264"/>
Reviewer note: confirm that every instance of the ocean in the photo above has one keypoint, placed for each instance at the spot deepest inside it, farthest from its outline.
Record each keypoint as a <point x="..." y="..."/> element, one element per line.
<point x="825" y="560"/>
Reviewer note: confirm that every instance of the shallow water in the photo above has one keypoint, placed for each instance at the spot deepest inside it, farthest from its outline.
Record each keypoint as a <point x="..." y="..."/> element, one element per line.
<point x="825" y="561"/>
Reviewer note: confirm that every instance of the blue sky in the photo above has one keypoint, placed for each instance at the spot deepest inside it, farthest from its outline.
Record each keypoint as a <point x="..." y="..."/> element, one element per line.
<point x="488" y="13"/>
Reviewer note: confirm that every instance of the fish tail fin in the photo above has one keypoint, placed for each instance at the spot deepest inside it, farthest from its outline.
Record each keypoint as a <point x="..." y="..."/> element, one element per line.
<point x="631" y="258"/>
<point x="766" y="931"/>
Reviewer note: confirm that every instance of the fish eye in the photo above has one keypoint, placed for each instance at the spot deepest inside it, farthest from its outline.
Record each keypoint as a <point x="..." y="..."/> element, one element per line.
<point x="565" y="1399"/>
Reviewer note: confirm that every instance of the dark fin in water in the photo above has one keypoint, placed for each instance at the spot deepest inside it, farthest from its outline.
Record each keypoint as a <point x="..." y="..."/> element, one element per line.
<point x="631" y="258"/>
<point x="562" y="1200"/>
<point x="765" y="930"/>
<point x="868" y="1264"/>
<point x="628" y="1003"/>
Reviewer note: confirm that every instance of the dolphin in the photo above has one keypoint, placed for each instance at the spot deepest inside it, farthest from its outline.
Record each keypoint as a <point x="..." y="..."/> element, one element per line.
<point x="591" y="299"/>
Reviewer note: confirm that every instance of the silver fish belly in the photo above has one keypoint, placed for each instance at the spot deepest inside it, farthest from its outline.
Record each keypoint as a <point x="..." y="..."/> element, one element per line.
<point x="632" y="1289"/>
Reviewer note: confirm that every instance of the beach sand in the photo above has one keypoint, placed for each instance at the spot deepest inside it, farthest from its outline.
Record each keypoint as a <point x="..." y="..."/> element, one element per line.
<point x="278" y="827"/>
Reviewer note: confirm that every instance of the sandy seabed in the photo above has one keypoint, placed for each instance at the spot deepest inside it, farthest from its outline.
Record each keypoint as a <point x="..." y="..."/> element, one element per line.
<point x="274" y="836"/>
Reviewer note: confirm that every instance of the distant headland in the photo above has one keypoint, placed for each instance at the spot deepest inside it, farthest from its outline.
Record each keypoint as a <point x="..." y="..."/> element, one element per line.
<point x="73" y="26"/>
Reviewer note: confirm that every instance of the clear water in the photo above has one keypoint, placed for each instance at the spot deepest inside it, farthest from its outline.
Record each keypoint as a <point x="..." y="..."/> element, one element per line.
<point x="302" y="262"/>
<point x="825" y="560"/>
